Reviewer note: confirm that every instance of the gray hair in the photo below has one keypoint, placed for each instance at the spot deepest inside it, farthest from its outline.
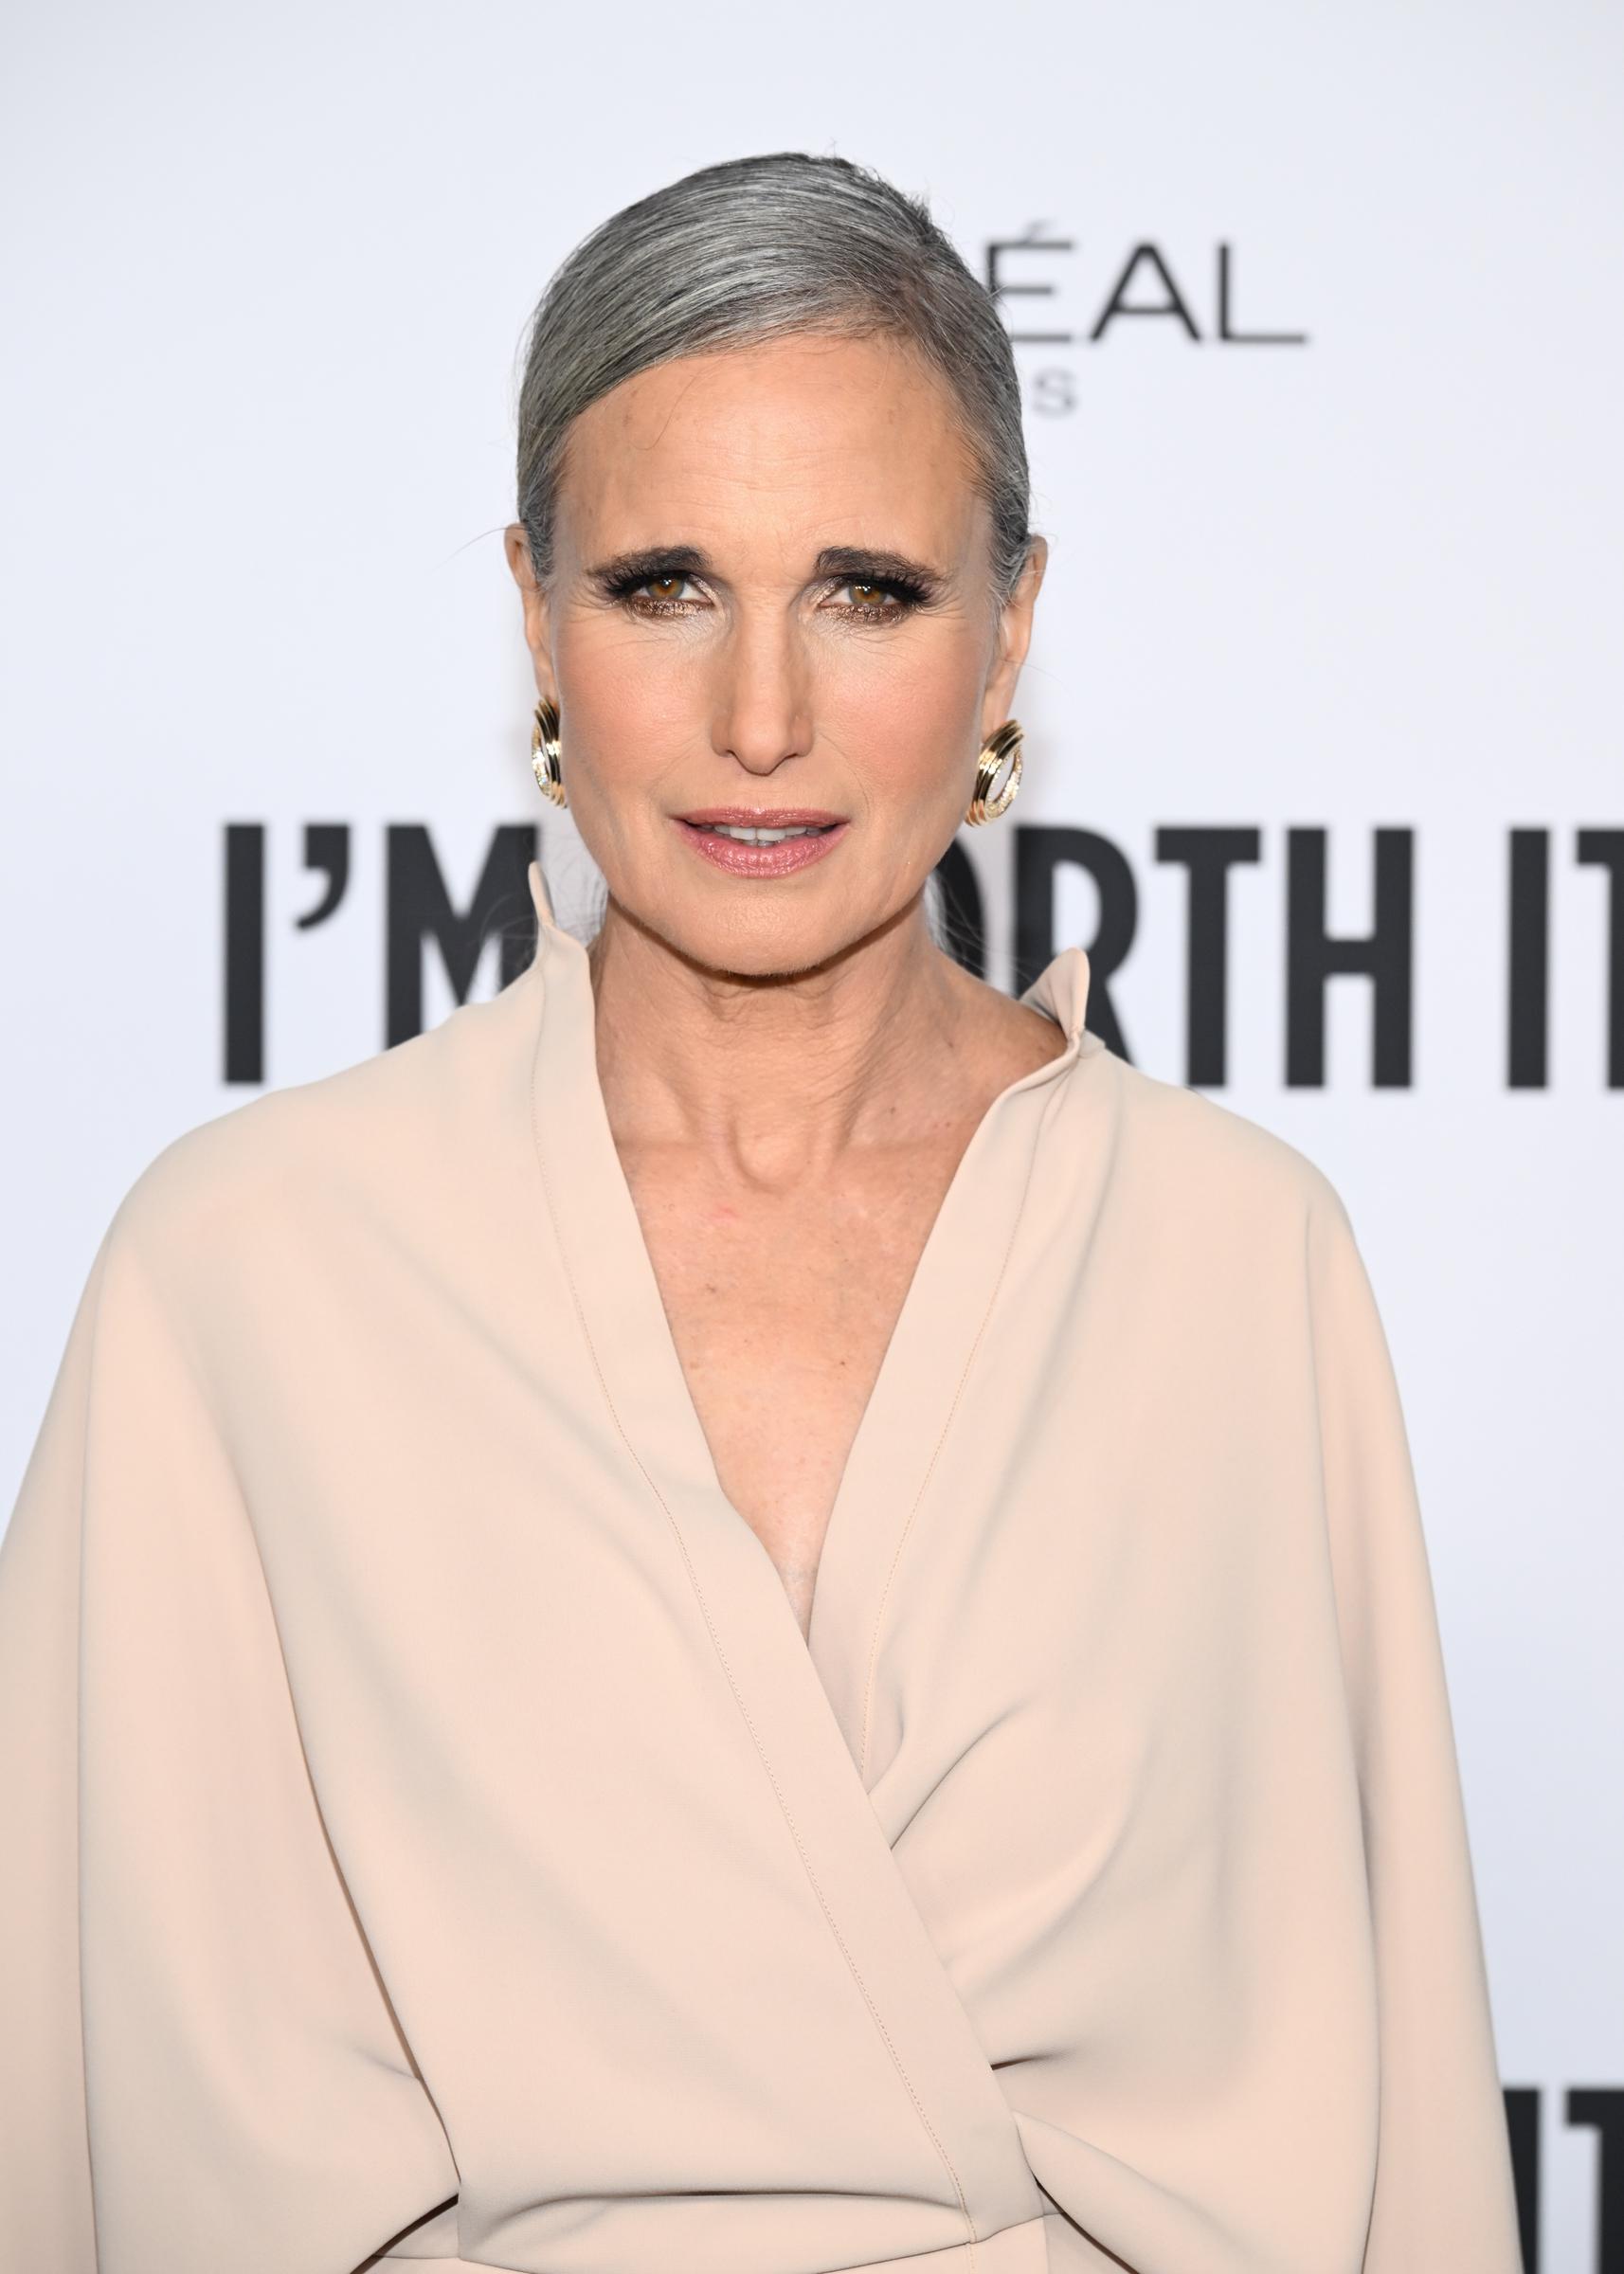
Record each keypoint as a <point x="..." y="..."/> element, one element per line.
<point x="754" y="249"/>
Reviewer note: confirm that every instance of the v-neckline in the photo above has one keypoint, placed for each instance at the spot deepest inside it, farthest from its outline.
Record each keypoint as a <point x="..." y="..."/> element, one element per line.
<point x="922" y="1377"/>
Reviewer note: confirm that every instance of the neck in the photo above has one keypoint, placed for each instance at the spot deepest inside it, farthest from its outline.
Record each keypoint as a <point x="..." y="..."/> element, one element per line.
<point x="776" y="1076"/>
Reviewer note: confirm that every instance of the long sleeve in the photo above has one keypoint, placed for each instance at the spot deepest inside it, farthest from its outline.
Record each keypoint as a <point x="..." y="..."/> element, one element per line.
<point x="201" y="2069"/>
<point x="1444" y="2195"/>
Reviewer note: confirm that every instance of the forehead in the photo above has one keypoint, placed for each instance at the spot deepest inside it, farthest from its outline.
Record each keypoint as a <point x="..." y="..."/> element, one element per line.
<point x="808" y="441"/>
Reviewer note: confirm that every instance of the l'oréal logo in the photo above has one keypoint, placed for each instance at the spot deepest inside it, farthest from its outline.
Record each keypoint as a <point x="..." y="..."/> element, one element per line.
<point x="1081" y="300"/>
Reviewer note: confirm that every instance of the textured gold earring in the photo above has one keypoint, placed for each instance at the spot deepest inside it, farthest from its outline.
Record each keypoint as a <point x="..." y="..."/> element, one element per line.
<point x="1005" y="744"/>
<point x="544" y="754"/>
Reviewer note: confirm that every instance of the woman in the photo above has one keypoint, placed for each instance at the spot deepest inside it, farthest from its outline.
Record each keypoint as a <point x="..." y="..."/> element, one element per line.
<point x="751" y="1611"/>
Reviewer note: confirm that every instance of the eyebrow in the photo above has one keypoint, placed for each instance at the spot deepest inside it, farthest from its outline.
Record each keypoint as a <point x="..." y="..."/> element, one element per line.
<point x="860" y="560"/>
<point x="834" y="560"/>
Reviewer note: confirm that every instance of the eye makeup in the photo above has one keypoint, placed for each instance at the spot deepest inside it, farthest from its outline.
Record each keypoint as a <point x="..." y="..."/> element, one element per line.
<point x="909" y="584"/>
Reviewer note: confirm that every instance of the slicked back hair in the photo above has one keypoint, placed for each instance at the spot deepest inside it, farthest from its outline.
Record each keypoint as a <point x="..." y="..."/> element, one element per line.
<point x="761" y="248"/>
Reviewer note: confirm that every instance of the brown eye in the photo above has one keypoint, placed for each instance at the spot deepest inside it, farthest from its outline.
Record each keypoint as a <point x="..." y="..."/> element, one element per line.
<point x="664" y="587"/>
<point x="870" y="598"/>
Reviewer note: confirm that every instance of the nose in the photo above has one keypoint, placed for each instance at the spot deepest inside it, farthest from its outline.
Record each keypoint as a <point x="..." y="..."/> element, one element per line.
<point x="764" y="693"/>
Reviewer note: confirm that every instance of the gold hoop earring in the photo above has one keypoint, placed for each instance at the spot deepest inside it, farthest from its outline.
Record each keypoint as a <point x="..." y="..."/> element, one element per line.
<point x="1005" y="744"/>
<point x="544" y="753"/>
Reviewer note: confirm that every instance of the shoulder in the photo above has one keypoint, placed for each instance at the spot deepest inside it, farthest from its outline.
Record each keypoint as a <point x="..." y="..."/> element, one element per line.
<point x="1184" y="1152"/>
<point x="391" y="1119"/>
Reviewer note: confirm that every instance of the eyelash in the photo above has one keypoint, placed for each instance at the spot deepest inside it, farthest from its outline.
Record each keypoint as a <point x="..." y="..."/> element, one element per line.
<point x="904" y="589"/>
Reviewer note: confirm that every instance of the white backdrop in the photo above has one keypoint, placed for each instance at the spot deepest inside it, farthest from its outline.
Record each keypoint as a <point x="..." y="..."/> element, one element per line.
<point x="265" y="287"/>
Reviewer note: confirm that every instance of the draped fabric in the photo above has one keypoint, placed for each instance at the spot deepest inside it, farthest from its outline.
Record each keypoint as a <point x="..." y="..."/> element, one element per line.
<point x="429" y="1833"/>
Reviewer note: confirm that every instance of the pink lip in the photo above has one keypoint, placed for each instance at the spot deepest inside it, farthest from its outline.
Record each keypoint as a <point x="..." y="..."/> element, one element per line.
<point x="759" y="860"/>
<point x="763" y="817"/>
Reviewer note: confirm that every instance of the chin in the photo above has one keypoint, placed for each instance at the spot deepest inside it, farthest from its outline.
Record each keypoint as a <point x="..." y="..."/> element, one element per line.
<point x="767" y="943"/>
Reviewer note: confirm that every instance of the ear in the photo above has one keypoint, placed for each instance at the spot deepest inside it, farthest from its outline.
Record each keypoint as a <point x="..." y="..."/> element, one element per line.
<point x="537" y="629"/>
<point x="1013" y="639"/>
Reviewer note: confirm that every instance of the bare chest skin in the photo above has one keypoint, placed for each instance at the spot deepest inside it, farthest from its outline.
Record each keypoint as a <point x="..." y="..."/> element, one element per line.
<point x="782" y="1303"/>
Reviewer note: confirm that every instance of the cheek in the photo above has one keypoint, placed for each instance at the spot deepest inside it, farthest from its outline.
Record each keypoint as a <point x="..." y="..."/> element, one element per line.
<point x="633" y="703"/>
<point x="907" y="721"/>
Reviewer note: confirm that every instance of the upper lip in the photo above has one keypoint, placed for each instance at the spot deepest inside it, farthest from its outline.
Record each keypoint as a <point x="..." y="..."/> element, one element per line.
<point x="745" y="816"/>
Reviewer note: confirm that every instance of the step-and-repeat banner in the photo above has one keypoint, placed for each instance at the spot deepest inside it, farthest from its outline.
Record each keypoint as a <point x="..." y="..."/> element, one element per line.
<point x="1318" y="316"/>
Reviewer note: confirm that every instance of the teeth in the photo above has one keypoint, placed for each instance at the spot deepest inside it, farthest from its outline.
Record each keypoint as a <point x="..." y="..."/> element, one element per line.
<point x="758" y="837"/>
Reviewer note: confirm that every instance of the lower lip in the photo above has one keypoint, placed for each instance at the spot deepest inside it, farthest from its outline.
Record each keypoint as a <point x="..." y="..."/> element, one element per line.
<point x="782" y="860"/>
